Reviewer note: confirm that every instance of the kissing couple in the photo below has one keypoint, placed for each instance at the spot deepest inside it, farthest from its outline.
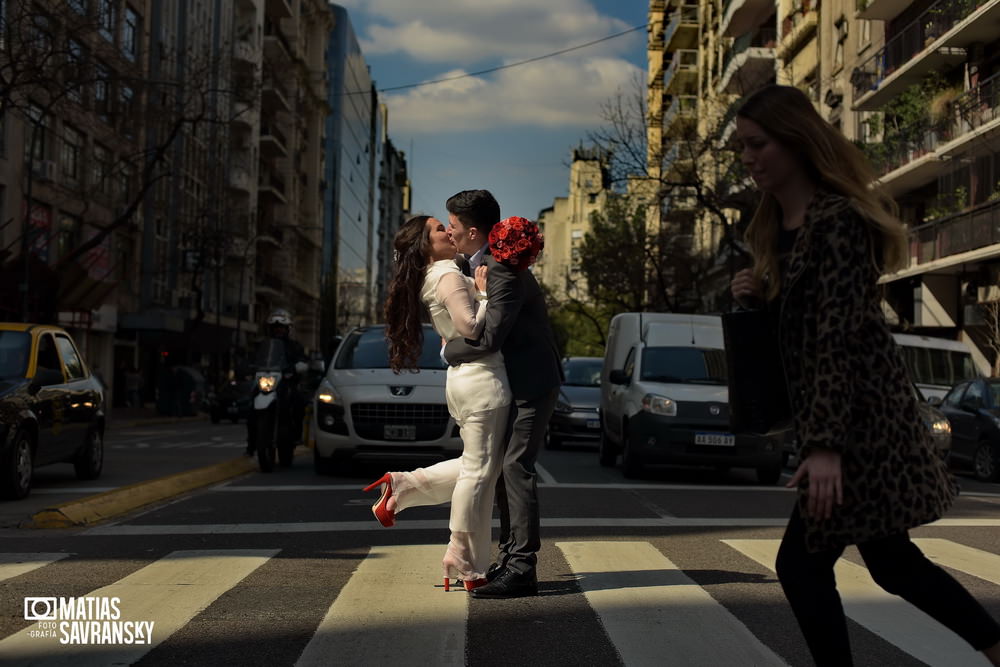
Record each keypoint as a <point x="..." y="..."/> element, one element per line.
<point x="502" y="384"/>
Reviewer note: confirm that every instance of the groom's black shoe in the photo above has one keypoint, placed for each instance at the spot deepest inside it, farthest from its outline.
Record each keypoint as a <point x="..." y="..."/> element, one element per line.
<point x="508" y="584"/>
<point x="494" y="571"/>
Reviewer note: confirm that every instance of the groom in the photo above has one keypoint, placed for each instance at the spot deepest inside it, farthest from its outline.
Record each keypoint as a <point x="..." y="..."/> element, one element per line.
<point x="517" y="324"/>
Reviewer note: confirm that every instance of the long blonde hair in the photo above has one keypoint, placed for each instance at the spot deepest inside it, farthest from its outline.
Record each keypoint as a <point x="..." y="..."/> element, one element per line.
<point x="833" y="163"/>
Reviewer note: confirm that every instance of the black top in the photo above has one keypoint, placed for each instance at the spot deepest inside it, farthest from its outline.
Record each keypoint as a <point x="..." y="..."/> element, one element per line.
<point x="786" y="241"/>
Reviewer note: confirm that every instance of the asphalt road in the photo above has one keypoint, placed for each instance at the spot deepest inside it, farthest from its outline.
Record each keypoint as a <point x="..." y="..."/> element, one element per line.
<point x="290" y="568"/>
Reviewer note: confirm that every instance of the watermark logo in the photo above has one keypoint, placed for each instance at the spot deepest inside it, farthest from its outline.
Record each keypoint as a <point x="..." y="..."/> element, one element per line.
<point x="84" y="620"/>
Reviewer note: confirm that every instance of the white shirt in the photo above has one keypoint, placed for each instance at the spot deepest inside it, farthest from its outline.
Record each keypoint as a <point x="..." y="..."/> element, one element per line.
<point x="477" y="259"/>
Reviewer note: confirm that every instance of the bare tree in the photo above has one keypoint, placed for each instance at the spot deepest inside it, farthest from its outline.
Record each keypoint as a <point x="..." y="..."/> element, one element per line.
<point x="990" y="311"/>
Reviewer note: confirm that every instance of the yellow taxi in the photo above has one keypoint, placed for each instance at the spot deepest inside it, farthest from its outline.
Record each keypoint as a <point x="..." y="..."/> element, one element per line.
<point x="51" y="407"/>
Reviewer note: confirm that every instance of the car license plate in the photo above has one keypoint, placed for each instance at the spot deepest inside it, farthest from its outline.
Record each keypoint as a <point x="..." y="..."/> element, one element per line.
<point x="398" y="432"/>
<point x="593" y="423"/>
<point x="232" y="409"/>
<point x="722" y="439"/>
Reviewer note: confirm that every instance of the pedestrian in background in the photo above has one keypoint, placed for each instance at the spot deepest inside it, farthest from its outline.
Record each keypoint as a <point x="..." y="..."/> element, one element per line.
<point x="821" y="237"/>
<point x="133" y="387"/>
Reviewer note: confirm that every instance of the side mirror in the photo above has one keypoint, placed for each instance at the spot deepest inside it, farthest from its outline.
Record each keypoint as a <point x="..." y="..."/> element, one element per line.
<point x="618" y="377"/>
<point x="935" y="401"/>
<point x="969" y="406"/>
<point x="45" y="377"/>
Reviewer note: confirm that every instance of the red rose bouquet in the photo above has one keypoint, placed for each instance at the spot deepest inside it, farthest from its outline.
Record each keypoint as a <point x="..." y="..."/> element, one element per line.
<point x="516" y="242"/>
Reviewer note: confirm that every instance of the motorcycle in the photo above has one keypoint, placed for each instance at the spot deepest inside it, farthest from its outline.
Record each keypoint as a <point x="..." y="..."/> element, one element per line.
<point x="274" y="432"/>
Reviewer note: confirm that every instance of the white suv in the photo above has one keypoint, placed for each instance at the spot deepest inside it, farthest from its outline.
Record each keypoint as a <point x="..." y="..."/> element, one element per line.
<point x="364" y="410"/>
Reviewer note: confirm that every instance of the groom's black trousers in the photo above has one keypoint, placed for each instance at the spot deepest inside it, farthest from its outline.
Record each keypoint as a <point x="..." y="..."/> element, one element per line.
<point x="517" y="494"/>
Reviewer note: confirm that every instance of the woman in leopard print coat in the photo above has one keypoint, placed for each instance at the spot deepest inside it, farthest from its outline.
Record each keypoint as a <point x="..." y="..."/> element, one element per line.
<point x="869" y="473"/>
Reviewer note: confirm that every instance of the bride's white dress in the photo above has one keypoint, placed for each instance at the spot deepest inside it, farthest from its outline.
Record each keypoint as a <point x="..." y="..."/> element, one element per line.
<point x="479" y="400"/>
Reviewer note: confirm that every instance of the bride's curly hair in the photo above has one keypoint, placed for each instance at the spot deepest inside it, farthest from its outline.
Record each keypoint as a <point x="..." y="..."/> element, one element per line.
<point x="405" y="313"/>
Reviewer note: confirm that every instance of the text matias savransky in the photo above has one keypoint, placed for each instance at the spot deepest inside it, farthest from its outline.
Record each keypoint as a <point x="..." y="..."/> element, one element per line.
<point x="85" y="620"/>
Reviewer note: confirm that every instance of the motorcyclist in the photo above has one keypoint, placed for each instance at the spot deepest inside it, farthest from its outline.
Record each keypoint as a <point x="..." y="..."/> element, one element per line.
<point x="279" y="325"/>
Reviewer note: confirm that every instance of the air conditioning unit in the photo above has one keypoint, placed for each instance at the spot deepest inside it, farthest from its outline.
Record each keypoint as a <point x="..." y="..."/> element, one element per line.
<point x="45" y="170"/>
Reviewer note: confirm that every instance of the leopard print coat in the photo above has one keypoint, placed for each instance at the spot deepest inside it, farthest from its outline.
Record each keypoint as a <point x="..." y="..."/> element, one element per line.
<point x="848" y="386"/>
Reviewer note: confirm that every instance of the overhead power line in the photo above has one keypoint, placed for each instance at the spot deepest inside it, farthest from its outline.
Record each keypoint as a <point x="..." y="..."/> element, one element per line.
<point x="500" y="67"/>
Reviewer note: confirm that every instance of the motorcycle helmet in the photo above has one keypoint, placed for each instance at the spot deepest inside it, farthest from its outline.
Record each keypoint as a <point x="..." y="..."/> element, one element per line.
<point x="280" y="316"/>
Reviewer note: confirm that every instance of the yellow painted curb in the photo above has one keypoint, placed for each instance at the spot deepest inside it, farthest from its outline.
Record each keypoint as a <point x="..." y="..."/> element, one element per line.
<point x="113" y="503"/>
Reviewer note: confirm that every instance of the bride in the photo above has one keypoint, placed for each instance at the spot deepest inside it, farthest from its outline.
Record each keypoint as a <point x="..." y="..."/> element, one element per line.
<point x="478" y="394"/>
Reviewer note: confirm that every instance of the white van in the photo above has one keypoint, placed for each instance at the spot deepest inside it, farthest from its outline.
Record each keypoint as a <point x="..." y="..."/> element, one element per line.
<point x="664" y="398"/>
<point x="938" y="364"/>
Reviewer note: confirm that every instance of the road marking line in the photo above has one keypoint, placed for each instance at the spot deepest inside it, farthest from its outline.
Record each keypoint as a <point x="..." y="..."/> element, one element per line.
<point x="890" y="617"/>
<point x="546" y="476"/>
<point x="169" y="593"/>
<point x="651" y="609"/>
<point x="389" y="613"/>
<point x="14" y="565"/>
<point x="976" y="562"/>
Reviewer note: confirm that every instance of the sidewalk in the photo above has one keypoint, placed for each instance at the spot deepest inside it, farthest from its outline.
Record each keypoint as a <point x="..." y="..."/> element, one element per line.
<point x="147" y="415"/>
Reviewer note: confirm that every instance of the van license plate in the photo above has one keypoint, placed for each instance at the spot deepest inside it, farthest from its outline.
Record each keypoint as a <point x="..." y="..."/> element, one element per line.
<point x="722" y="439"/>
<point x="593" y="423"/>
<point x="398" y="432"/>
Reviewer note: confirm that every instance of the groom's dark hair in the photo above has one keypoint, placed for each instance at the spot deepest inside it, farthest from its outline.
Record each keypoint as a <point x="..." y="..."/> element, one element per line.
<point x="475" y="208"/>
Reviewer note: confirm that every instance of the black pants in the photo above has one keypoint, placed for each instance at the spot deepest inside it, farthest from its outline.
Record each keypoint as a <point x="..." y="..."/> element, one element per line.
<point x="517" y="494"/>
<point x="898" y="566"/>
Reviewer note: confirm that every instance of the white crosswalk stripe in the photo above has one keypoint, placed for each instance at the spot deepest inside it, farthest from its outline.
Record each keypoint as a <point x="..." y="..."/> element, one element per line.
<point x="427" y="625"/>
<point x="393" y="610"/>
<point x="168" y="592"/>
<point x="888" y="616"/>
<point x="649" y="608"/>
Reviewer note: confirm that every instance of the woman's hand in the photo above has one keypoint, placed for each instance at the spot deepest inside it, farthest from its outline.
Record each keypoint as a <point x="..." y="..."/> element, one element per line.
<point x="745" y="287"/>
<point x="822" y="469"/>
<point x="481" y="271"/>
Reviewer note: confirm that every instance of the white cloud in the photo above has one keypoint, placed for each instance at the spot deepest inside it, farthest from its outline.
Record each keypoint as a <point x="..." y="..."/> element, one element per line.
<point x="555" y="93"/>
<point x="472" y="31"/>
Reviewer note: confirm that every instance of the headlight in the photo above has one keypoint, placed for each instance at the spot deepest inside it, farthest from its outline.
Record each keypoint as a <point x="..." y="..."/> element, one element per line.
<point x="659" y="405"/>
<point x="267" y="382"/>
<point x="326" y="394"/>
<point x="941" y="427"/>
<point x="562" y="406"/>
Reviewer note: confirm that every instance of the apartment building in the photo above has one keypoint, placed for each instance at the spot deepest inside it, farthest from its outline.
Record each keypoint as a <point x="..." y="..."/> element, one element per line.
<point x="567" y="221"/>
<point x="926" y="97"/>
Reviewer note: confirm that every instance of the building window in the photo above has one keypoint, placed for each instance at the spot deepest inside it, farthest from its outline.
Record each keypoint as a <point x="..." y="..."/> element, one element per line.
<point x="840" y="31"/>
<point x="126" y="97"/>
<point x="78" y="6"/>
<point x="576" y="234"/>
<point x="102" y="91"/>
<point x="72" y="144"/>
<point x="3" y="139"/>
<point x="68" y="235"/>
<point x="130" y="34"/>
<point x="101" y="169"/>
<point x="36" y="140"/>
<point x="864" y="34"/>
<point x="107" y="18"/>
<point x="76" y="59"/>
<point x="592" y="198"/>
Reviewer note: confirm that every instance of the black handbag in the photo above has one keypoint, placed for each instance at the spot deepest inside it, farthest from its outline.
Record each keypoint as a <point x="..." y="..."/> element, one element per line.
<point x="758" y="393"/>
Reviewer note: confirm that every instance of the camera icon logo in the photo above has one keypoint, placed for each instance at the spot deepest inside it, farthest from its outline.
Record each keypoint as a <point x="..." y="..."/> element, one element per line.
<point x="40" y="609"/>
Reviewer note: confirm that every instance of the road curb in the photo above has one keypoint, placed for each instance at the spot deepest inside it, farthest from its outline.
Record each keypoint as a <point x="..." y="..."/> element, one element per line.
<point x="102" y="506"/>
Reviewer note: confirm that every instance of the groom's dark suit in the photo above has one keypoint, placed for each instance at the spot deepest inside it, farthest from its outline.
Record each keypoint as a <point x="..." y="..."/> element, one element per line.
<point x="517" y="324"/>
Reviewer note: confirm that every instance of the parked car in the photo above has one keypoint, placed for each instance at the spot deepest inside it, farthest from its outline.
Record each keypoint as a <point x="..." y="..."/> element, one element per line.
<point x="973" y="409"/>
<point x="51" y="407"/>
<point x="231" y="401"/>
<point x="577" y="412"/>
<point x="937" y="364"/>
<point x="362" y="410"/>
<point x="665" y="400"/>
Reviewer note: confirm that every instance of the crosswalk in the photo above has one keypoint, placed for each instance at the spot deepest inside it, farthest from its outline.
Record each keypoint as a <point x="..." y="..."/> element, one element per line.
<point x="386" y="612"/>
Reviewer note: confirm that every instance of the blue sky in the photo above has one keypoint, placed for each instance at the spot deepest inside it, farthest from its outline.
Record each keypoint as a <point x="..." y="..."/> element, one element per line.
<point x="510" y="131"/>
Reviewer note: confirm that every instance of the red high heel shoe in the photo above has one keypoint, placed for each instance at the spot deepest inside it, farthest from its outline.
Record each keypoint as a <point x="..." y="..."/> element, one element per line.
<point x="469" y="585"/>
<point x="383" y="514"/>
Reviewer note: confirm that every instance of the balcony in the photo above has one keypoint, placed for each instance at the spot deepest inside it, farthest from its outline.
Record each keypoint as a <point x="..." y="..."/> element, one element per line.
<point x="924" y="154"/>
<point x="742" y="16"/>
<point x="657" y="5"/>
<point x="749" y="63"/>
<point x="682" y="31"/>
<point x="681" y="116"/>
<point x="937" y="39"/>
<point x="678" y="159"/>
<point x="972" y="230"/>
<point x="273" y="96"/>
<point x="244" y="114"/>
<point x="244" y="53"/>
<point x="272" y="142"/>
<point x="240" y="179"/>
<point x="276" y="46"/>
<point x="881" y="10"/>
<point x="681" y="74"/>
<point x="272" y="186"/>
<point x="798" y="26"/>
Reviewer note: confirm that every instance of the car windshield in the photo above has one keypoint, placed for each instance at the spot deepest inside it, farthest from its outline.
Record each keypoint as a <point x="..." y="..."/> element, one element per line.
<point x="369" y="348"/>
<point x="684" y="364"/>
<point x="583" y="372"/>
<point x="14" y="349"/>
